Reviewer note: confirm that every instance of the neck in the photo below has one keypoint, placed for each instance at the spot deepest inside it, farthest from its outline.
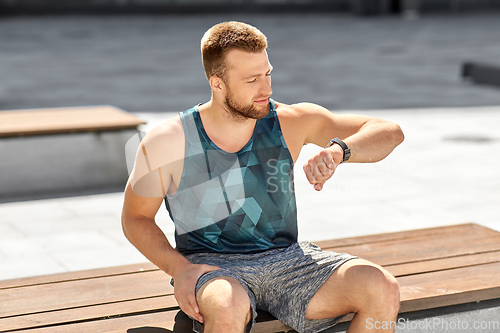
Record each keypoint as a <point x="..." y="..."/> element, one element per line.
<point x="227" y="130"/>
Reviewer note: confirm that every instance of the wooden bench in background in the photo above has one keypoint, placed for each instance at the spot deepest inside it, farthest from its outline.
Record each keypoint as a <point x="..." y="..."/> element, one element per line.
<point x="15" y="123"/>
<point x="64" y="149"/>
<point x="435" y="267"/>
<point x="482" y="73"/>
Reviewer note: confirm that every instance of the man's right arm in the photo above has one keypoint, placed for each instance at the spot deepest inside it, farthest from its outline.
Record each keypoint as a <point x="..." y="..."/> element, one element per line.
<point x="142" y="231"/>
<point x="140" y="228"/>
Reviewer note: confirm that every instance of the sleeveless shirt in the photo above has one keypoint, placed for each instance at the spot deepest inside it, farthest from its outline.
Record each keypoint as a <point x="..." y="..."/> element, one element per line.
<point x="241" y="202"/>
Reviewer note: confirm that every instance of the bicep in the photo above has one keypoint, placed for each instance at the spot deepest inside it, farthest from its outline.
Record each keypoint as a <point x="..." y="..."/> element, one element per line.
<point x="135" y="205"/>
<point x="147" y="184"/>
<point x="157" y="158"/>
<point x="324" y="125"/>
<point x="150" y="183"/>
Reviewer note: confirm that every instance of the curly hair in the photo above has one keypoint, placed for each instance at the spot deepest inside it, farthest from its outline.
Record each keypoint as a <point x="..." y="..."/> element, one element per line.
<point x="221" y="38"/>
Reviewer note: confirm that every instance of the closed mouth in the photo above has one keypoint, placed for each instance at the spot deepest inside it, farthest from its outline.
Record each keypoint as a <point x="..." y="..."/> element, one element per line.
<point x="264" y="100"/>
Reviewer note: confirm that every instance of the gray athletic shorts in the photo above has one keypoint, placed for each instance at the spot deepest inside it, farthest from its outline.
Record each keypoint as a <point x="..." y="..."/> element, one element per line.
<point x="279" y="281"/>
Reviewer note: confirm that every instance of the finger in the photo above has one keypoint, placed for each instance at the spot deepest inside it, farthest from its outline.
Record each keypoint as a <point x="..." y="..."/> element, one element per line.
<point x="326" y="157"/>
<point x="309" y="174"/>
<point x="322" y="173"/>
<point x="321" y="170"/>
<point x="185" y="306"/>
<point x="327" y="174"/>
<point x="193" y="304"/>
<point x="330" y="163"/>
<point x="318" y="187"/>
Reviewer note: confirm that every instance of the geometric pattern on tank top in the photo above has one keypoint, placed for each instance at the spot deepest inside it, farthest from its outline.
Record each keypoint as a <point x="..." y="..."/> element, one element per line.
<point x="239" y="202"/>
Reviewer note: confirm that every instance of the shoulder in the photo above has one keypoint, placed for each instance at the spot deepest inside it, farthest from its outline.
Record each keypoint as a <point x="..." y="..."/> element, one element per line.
<point x="301" y="111"/>
<point x="299" y="122"/>
<point x="169" y="129"/>
<point x="302" y="116"/>
<point x="164" y="142"/>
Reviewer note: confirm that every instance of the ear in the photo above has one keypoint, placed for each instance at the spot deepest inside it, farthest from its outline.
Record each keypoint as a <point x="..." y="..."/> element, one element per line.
<point x="216" y="83"/>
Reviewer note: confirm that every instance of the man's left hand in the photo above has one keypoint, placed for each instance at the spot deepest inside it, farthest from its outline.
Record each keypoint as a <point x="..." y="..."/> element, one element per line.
<point x="322" y="166"/>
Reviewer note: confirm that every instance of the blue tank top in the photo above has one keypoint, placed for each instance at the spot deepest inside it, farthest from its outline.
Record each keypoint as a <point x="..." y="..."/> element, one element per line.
<point x="239" y="202"/>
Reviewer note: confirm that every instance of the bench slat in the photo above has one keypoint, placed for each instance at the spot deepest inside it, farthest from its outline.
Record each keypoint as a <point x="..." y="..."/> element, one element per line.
<point x="401" y="235"/>
<point x="81" y="293"/>
<point x="440" y="264"/>
<point x="165" y="320"/>
<point x="431" y="247"/>
<point x="78" y="275"/>
<point x="91" y="312"/>
<point x="169" y="321"/>
<point x="449" y="287"/>
<point x="65" y="120"/>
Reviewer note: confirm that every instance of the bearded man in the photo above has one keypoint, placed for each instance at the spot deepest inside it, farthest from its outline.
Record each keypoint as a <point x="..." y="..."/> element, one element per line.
<point x="219" y="167"/>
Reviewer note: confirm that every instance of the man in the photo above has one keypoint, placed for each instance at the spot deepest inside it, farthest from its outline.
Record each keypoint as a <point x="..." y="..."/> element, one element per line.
<point x="225" y="170"/>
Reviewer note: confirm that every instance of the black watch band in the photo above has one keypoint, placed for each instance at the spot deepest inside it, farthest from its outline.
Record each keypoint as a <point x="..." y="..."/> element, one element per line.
<point x="347" y="151"/>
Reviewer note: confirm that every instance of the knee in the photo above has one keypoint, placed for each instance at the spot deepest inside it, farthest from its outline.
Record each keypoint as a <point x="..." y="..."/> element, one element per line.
<point x="382" y="290"/>
<point x="225" y="303"/>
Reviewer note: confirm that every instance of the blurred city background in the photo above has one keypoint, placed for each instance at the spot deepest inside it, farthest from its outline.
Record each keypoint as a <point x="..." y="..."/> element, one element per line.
<point x="335" y="57"/>
<point x="400" y="60"/>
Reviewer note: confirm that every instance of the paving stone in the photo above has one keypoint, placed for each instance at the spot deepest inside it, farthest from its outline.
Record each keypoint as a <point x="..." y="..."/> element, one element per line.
<point x="32" y="264"/>
<point x="8" y="231"/>
<point x="56" y="241"/>
<point x="99" y="257"/>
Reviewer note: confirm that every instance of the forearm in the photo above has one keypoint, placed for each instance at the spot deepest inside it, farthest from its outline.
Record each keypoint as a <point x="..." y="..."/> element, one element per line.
<point x="374" y="141"/>
<point x="148" y="238"/>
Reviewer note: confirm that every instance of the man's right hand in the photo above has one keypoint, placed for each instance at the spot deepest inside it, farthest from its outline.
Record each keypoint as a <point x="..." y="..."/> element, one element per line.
<point x="185" y="279"/>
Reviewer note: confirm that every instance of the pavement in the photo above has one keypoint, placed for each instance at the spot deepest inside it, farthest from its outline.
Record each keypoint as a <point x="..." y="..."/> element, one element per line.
<point x="446" y="171"/>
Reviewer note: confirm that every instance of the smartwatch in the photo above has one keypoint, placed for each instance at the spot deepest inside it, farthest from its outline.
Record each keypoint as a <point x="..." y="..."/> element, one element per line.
<point x="347" y="151"/>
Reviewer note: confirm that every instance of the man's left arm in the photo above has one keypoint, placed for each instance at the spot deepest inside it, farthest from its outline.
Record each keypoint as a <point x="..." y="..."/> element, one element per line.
<point x="369" y="140"/>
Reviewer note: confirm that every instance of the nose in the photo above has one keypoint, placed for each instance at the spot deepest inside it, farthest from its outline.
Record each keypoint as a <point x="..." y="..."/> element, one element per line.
<point x="266" y="87"/>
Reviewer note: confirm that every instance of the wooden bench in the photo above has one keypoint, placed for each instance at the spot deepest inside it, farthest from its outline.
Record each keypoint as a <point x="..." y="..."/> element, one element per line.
<point x="482" y="73"/>
<point x="15" y="123"/>
<point x="435" y="267"/>
<point x="64" y="149"/>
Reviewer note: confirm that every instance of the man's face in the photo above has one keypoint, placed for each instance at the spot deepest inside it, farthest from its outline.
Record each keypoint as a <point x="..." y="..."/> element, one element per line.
<point x="248" y="84"/>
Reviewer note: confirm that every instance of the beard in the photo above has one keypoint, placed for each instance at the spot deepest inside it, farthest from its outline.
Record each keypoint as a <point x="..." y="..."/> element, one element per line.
<point x="245" y="111"/>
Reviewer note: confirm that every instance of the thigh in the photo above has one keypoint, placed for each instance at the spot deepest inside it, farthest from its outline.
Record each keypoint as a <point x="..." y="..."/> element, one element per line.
<point x="293" y="277"/>
<point x="346" y="289"/>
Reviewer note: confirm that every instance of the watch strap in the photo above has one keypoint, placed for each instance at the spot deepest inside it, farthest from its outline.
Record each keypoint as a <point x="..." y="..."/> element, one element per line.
<point x="347" y="151"/>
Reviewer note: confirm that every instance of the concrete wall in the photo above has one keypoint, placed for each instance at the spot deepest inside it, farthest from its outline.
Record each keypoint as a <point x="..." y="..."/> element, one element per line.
<point x="63" y="163"/>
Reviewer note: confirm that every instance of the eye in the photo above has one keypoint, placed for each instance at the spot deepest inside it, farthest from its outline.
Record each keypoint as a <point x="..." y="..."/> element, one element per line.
<point x="252" y="81"/>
